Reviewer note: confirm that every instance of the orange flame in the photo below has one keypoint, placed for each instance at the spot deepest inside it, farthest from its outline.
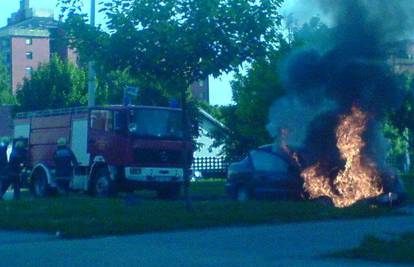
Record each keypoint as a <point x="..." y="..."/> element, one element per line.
<point x="284" y="145"/>
<point x="359" y="179"/>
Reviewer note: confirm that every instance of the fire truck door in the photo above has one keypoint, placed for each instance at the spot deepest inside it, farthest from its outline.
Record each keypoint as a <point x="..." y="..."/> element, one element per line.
<point x="105" y="138"/>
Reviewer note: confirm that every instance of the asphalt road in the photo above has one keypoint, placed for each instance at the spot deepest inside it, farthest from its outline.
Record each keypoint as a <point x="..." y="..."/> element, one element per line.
<point x="300" y="244"/>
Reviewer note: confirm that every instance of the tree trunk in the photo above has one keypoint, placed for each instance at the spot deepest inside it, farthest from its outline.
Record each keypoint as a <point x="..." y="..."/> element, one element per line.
<point x="187" y="138"/>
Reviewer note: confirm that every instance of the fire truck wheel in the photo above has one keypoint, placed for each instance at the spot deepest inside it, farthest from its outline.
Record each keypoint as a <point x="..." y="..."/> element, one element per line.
<point x="170" y="192"/>
<point x="103" y="186"/>
<point x="40" y="186"/>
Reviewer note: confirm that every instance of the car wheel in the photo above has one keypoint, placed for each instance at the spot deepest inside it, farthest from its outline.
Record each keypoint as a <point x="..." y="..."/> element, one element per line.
<point x="103" y="186"/>
<point x="325" y="201"/>
<point x="242" y="194"/>
<point x="40" y="186"/>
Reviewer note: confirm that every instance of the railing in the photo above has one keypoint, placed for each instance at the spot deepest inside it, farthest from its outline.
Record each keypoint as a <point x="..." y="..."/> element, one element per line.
<point x="211" y="166"/>
<point x="51" y="112"/>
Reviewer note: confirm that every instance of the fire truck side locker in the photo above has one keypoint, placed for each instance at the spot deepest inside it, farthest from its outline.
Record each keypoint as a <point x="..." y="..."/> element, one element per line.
<point x="79" y="144"/>
<point x="43" y="129"/>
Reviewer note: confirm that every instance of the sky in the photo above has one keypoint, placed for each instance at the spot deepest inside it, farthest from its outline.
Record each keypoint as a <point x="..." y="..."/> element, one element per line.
<point x="220" y="91"/>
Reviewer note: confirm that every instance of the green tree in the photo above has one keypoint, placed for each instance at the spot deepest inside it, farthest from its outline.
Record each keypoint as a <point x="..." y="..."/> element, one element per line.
<point x="174" y="43"/>
<point x="171" y="44"/>
<point x="57" y="84"/>
<point x="6" y="96"/>
<point x="399" y="127"/>
<point x="111" y="89"/>
<point x="253" y="93"/>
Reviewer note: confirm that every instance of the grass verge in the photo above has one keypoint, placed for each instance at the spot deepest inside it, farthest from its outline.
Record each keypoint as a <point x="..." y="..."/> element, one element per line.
<point x="399" y="250"/>
<point x="79" y="217"/>
<point x="409" y="186"/>
<point x="208" y="189"/>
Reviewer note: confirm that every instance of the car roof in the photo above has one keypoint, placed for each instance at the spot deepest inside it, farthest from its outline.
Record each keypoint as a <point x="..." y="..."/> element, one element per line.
<point x="269" y="147"/>
<point x="274" y="150"/>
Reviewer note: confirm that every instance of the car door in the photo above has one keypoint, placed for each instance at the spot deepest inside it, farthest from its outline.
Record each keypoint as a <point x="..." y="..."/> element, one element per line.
<point x="270" y="173"/>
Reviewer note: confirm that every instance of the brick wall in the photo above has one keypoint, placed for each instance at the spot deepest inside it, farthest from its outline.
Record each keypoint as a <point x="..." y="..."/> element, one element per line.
<point x="40" y="49"/>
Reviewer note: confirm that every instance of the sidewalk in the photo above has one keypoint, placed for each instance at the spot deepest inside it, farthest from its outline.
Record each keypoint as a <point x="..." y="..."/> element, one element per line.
<point x="298" y="244"/>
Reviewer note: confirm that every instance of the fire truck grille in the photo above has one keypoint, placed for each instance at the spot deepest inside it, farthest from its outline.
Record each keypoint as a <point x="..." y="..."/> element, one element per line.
<point x="148" y="156"/>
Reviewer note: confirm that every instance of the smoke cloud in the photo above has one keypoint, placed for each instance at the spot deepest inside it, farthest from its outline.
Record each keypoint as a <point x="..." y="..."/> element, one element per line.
<point x="322" y="85"/>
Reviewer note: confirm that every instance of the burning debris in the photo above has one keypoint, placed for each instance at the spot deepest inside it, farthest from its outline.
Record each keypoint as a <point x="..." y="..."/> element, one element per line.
<point x="337" y="99"/>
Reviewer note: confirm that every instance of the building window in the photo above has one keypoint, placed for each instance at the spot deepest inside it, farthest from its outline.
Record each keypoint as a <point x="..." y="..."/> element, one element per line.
<point x="29" y="71"/>
<point x="29" y="55"/>
<point x="29" y="41"/>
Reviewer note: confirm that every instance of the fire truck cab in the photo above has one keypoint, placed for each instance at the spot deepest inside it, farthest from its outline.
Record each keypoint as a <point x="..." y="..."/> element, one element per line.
<point x="119" y="148"/>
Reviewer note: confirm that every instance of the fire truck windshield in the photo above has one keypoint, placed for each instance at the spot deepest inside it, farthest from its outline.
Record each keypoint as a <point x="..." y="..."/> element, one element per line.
<point x="156" y="123"/>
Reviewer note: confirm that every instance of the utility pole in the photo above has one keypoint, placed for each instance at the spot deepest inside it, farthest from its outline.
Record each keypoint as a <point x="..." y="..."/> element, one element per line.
<point x="91" y="67"/>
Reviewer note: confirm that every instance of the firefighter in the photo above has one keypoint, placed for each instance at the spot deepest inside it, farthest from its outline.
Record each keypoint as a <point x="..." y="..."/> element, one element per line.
<point x="3" y="162"/>
<point x="16" y="163"/>
<point x="3" y="156"/>
<point x="65" y="162"/>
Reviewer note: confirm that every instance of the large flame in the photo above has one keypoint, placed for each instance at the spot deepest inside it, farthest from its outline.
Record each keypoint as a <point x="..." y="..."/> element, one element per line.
<point x="284" y="145"/>
<point x="359" y="179"/>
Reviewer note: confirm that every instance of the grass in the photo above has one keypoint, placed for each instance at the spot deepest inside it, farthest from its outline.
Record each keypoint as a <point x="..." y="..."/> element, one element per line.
<point x="80" y="217"/>
<point x="208" y="189"/>
<point x="399" y="250"/>
<point x="409" y="186"/>
<point x="77" y="217"/>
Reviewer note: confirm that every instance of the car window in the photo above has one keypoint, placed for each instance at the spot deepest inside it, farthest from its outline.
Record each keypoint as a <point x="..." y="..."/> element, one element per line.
<point x="263" y="161"/>
<point x="241" y="166"/>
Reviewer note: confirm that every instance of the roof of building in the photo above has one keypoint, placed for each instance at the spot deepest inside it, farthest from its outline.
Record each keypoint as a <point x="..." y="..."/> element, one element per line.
<point x="205" y="115"/>
<point x="33" y="27"/>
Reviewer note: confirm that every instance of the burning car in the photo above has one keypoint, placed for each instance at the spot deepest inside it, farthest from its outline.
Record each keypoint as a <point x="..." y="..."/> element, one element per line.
<point x="272" y="173"/>
<point x="264" y="173"/>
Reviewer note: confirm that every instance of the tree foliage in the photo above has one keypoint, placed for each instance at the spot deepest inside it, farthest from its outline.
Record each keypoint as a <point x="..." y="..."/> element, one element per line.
<point x="253" y="92"/>
<point x="174" y="43"/>
<point x="399" y="128"/>
<point x="56" y="84"/>
<point x="111" y="89"/>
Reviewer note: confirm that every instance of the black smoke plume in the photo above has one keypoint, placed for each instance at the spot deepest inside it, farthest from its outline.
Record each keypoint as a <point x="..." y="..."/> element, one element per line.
<point x="327" y="84"/>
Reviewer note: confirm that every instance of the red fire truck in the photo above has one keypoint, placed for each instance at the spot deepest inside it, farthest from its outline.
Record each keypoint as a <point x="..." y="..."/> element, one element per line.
<point x="119" y="148"/>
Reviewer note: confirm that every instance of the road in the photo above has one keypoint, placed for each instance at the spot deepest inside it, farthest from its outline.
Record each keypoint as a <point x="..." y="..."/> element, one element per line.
<point x="299" y="244"/>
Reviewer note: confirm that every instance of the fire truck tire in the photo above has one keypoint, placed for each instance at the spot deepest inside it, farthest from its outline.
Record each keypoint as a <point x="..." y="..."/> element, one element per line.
<point x="40" y="186"/>
<point x="102" y="185"/>
<point x="170" y="192"/>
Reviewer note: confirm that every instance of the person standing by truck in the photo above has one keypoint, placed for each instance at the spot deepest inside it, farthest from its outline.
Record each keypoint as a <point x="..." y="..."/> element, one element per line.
<point x="16" y="163"/>
<point x="65" y="162"/>
<point x="3" y="156"/>
<point x="3" y="162"/>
